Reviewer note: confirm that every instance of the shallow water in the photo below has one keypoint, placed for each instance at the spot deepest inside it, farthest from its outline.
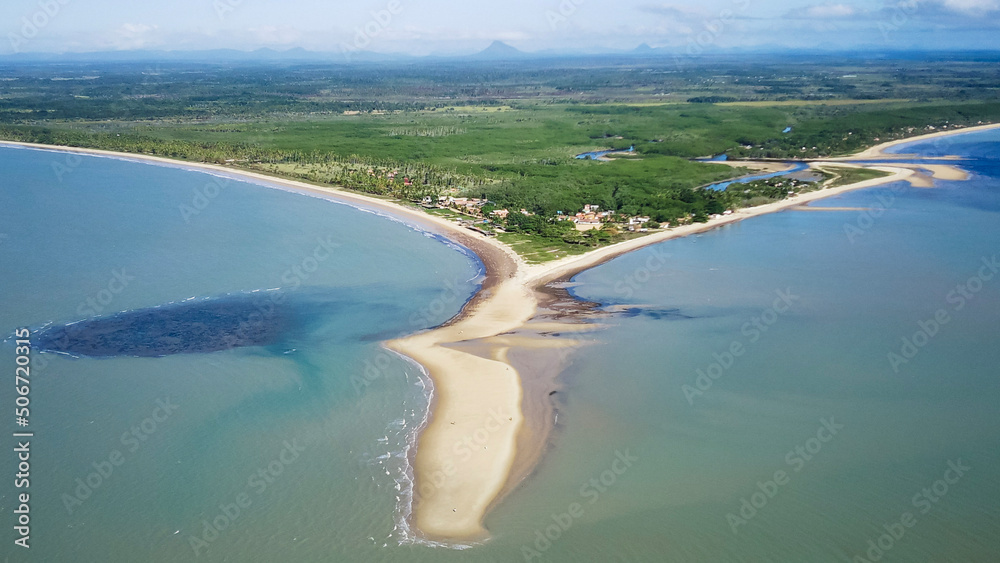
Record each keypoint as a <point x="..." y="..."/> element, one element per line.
<point x="185" y="310"/>
<point x="784" y="327"/>
<point x="640" y="468"/>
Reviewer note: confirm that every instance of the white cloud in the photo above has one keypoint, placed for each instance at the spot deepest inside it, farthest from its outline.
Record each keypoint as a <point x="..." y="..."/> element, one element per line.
<point x="832" y="11"/>
<point x="675" y="20"/>
<point x="275" y="35"/>
<point x="460" y="25"/>
<point x="669" y="10"/>
<point x="134" y="36"/>
<point x="973" y="7"/>
<point x="825" y="12"/>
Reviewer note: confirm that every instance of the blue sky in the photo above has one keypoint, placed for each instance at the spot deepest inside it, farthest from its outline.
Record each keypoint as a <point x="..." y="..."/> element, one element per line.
<point x="455" y="26"/>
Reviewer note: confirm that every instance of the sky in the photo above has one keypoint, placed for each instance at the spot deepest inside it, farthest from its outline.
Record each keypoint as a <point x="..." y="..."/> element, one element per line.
<point x="424" y="27"/>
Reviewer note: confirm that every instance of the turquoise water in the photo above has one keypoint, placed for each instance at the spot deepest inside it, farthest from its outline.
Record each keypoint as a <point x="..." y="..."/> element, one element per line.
<point x="857" y="293"/>
<point x="113" y="236"/>
<point x="640" y="468"/>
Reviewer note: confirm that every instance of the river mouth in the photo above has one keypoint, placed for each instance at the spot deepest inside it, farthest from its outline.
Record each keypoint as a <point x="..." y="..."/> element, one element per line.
<point x="796" y="167"/>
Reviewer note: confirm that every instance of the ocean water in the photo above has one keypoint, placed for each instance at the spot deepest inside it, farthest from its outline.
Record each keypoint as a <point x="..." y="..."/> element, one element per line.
<point x="265" y="309"/>
<point x="814" y="303"/>
<point x="650" y="461"/>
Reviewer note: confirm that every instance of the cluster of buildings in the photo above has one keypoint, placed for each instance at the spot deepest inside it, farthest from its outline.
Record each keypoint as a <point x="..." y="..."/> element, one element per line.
<point x="792" y="185"/>
<point x="593" y="218"/>
<point x="391" y="176"/>
<point x="589" y="219"/>
<point x="468" y="205"/>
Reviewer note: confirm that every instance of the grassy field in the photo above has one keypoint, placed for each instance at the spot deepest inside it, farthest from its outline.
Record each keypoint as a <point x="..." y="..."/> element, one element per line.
<point x="471" y="139"/>
<point x="539" y="251"/>
<point x="797" y="103"/>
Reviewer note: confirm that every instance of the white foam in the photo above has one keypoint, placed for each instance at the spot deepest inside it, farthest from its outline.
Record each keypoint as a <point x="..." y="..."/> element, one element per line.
<point x="405" y="481"/>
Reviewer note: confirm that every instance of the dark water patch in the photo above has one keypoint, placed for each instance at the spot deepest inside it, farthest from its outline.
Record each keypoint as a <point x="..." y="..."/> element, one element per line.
<point x="188" y="327"/>
<point x="655" y="313"/>
<point x="272" y="322"/>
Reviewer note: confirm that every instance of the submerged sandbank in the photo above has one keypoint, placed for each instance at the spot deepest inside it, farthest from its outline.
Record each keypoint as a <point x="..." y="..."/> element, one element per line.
<point x="484" y="433"/>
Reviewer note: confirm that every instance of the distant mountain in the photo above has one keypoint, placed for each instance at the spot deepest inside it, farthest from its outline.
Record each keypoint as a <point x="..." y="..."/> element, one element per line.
<point x="497" y="51"/>
<point x="500" y="51"/>
<point x="210" y="56"/>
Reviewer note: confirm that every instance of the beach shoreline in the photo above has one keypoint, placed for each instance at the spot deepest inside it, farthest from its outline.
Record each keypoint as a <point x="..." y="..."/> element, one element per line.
<point x="566" y="268"/>
<point x="482" y="246"/>
<point x="473" y="449"/>
<point x="879" y="151"/>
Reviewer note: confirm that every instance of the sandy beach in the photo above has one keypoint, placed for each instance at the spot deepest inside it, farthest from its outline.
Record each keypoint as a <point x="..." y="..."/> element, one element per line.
<point x="486" y="432"/>
<point x="538" y="275"/>
<point x="879" y="151"/>
<point x="757" y="167"/>
<point x="488" y="249"/>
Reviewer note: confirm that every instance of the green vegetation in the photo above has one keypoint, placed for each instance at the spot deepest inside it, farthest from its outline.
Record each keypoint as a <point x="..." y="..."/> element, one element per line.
<point x="539" y="250"/>
<point x="842" y="176"/>
<point x="507" y="134"/>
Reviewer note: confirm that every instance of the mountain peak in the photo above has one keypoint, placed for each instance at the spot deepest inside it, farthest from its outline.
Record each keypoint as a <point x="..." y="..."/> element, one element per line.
<point x="500" y="50"/>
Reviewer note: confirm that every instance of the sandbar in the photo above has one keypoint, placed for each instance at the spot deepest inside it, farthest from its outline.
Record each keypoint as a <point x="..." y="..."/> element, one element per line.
<point x="478" y="443"/>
